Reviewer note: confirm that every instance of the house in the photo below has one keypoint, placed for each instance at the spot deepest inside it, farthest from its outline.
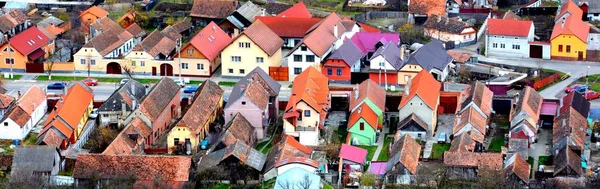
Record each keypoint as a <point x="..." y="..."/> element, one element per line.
<point x="183" y="28"/>
<point x="297" y="176"/>
<point x="268" y="84"/>
<point x="344" y="60"/>
<point x="509" y="41"/>
<point x="92" y="14"/>
<point x="470" y="121"/>
<point x="591" y="10"/>
<point x="450" y="31"/>
<point x="517" y="169"/>
<point x="569" y="129"/>
<point x="368" y="41"/>
<point x="238" y="129"/>
<point x="404" y="160"/>
<point x="127" y="19"/>
<point x="431" y="57"/>
<point x="307" y="107"/>
<point x="386" y="62"/>
<point x="317" y="44"/>
<point x="236" y="156"/>
<point x="137" y="32"/>
<point x="576" y="101"/>
<point x="418" y="107"/>
<point x="352" y="160"/>
<point x="479" y="98"/>
<point x="299" y="10"/>
<point x="241" y="18"/>
<point x="466" y="165"/>
<point x="250" y="99"/>
<point x="290" y="34"/>
<point x="24" y="114"/>
<point x="287" y="154"/>
<point x="570" y="34"/>
<point x="132" y="140"/>
<point x="206" y="105"/>
<point x="144" y="171"/>
<point x="156" y="111"/>
<point x="419" y="10"/>
<point x="367" y="106"/>
<point x="121" y="103"/>
<point x="12" y="23"/>
<point x="203" y="50"/>
<point x="53" y="25"/>
<point x="206" y="11"/>
<point x="6" y="104"/>
<point x="525" y="113"/>
<point x="65" y="122"/>
<point x="32" y="162"/>
<point x="463" y="143"/>
<point x="107" y="42"/>
<point x="567" y="163"/>
<point x="28" y="48"/>
<point x="154" y="55"/>
<point x="518" y="143"/>
<point x="257" y="46"/>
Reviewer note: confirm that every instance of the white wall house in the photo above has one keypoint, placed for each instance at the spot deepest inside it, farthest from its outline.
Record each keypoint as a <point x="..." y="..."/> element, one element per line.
<point x="593" y="41"/>
<point x="509" y="43"/>
<point x="421" y="110"/>
<point x="306" y="128"/>
<point x="302" y="58"/>
<point x="31" y="106"/>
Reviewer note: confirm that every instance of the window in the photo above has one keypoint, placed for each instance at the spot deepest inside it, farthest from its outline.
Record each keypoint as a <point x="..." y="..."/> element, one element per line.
<point x="296" y="41"/>
<point x="560" y="48"/>
<point x="303" y="48"/>
<point x="306" y="113"/>
<point x="502" y="45"/>
<point x="297" y="58"/>
<point x="200" y="66"/>
<point x="244" y="45"/>
<point x="329" y="71"/>
<point x="236" y="58"/>
<point x="93" y="62"/>
<point x="230" y="71"/>
<point x="142" y="63"/>
<point x="184" y="66"/>
<point x="247" y="45"/>
<point x="190" y="51"/>
<point x="82" y="61"/>
<point x="568" y="48"/>
<point x="516" y="47"/>
<point x="310" y="58"/>
<point x="362" y="126"/>
<point x="260" y="60"/>
<point x="176" y="141"/>
<point x="339" y="71"/>
<point x="418" y="135"/>
<point x="6" y="124"/>
<point x="132" y="63"/>
<point x="243" y="102"/>
<point x="9" y="61"/>
<point x="495" y="45"/>
<point x="406" y="78"/>
<point x="465" y="37"/>
<point x="11" y="50"/>
<point x="242" y="71"/>
<point x="297" y="71"/>
<point x="381" y="64"/>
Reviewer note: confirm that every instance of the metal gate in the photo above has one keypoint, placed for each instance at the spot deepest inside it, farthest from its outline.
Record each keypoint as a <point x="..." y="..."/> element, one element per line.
<point x="279" y="73"/>
<point x="34" y="68"/>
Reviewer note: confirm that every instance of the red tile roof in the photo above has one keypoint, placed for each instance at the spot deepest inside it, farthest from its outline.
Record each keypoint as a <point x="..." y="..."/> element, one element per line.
<point x="473" y="160"/>
<point x="572" y="125"/>
<point x="406" y="151"/>
<point x="368" y="89"/>
<point x="6" y="101"/>
<point x="472" y="117"/>
<point x="300" y="160"/>
<point x="366" y="113"/>
<point x="210" y="41"/>
<point x="461" y="57"/>
<point x="426" y="87"/>
<point x="123" y="145"/>
<point x="281" y="25"/>
<point x="481" y="96"/>
<point x="29" y="40"/>
<point x="32" y="99"/>
<point x="144" y="168"/>
<point x="159" y="98"/>
<point x="353" y="154"/>
<point x="519" y="167"/>
<point x="288" y="148"/>
<point x="218" y="9"/>
<point x="572" y="26"/>
<point x="320" y="37"/>
<point x="462" y="143"/>
<point x="530" y="101"/>
<point x="571" y="8"/>
<point x="206" y="102"/>
<point x="96" y="11"/>
<point x="427" y="7"/>
<point x="299" y="10"/>
<point x="264" y="37"/>
<point x="518" y="28"/>
<point x="368" y="28"/>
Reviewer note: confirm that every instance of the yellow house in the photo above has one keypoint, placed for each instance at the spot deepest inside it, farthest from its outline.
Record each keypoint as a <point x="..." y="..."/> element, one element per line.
<point x="569" y="35"/>
<point x="200" y="57"/>
<point x="257" y="46"/>
<point x="181" y="136"/>
<point x="407" y="72"/>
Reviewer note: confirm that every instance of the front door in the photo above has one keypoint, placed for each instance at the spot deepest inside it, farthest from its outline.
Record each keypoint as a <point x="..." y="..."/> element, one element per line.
<point x="580" y="55"/>
<point x="153" y="71"/>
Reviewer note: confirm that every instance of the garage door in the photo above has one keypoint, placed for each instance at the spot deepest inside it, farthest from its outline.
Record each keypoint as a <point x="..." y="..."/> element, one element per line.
<point x="535" y="51"/>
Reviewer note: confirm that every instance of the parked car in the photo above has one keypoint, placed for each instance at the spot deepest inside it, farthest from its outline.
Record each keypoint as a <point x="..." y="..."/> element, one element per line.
<point x="90" y="81"/>
<point x="94" y="113"/>
<point x="577" y="88"/>
<point x="572" y="87"/>
<point x="191" y="89"/>
<point x="591" y="95"/>
<point x="442" y="138"/>
<point x="180" y="83"/>
<point x="57" y="86"/>
<point x="123" y="81"/>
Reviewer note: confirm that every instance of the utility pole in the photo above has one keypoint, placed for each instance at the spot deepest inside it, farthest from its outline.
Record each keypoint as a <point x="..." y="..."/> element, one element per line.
<point x="587" y="83"/>
<point x="9" y="57"/>
<point x="179" y="57"/>
<point x="487" y="38"/>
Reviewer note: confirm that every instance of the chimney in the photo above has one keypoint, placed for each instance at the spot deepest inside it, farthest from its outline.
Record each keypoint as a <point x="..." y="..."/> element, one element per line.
<point x="60" y="100"/>
<point x="562" y="24"/>
<point x="335" y="31"/>
<point x="439" y="18"/>
<point x="262" y="12"/>
<point x="87" y="38"/>
<point x="407" y="88"/>
<point x="402" y="49"/>
<point x="124" y="108"/>
<point x="18" y="94"/>
<point x="236" y="32"/>
<point x="356" y="92"/>
<point x="447" y="20"/>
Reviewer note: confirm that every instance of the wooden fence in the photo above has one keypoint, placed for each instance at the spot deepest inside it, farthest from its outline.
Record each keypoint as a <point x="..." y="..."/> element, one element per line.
<point x="546" y="81"/>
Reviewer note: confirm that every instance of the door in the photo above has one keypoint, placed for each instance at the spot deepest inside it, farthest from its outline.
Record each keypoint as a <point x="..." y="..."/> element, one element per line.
<point x="580" y="55"/>
<point x="153" y="71"/>
<point x="113" y="68"/>
<point x="166" y="70"/>
<point x="535" y="51"/>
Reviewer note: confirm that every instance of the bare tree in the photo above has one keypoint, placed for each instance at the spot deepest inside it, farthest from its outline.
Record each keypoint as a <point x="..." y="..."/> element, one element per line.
<point x="128" y="67"/>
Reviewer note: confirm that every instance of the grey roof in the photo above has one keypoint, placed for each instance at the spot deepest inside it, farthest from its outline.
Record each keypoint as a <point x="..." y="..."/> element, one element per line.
<point x="274" y="8"/>
<point x="442" y="23"/>
<point x="259" y="73"/>
<point x="33" y="159"/>
<point x="241" y="151"/>
<point x="132" y="89"/>
<point x="50" y="20"/>
<point x="348" y="52"/>
<point x="391" y="53"/>
<point x="432" y="55"/>
<point x="249" y="10"/>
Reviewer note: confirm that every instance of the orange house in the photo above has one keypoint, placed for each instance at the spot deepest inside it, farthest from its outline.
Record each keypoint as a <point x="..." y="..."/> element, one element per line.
<point x="28" y="50"/>
<point x="92" y="14"/>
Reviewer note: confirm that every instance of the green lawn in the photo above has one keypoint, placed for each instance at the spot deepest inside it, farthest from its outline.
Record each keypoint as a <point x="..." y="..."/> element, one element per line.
<point x="530" y="160"/>
<point x="227" y="83"/>
<point x="220" y="186"/>
<point x="327" y="186"/>
<point x="594" y="82"/>
<point x="370" y="151"/>
<point x="497" y="143"/>
<point x="193" y="82"/>
<point x="383" y="156"/>
<point x="438" y="150"/>
<point x="15" y="77"/>
<point x="100" y="79"/>
<point x="545" y="160"/>
<point x="115" y="15"/>
<point x="267" y="146"/>
<point x="30" y="139"/>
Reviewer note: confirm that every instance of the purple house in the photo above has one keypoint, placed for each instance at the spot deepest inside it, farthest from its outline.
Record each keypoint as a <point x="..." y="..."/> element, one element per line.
<point x="368" y="42"/>
<point x="255" y="97"/>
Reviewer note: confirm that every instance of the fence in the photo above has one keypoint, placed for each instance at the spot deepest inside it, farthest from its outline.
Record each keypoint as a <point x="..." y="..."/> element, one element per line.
<point x="546" y="81"/>
<point x="59" y="67"/>
<point x="474" y="10"/>
<point x="156" y="150"/>
<point x="380" y="14"/>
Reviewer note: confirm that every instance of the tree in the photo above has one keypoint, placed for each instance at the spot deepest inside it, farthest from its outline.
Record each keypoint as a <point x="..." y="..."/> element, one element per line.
<point x="100" y="139"/>
<point x="412" y="34"/>
<point x="170" y="21"/>
<point x="128" y="66"/>
<point x="304" y="183"/>
<point x="464" y="75"/>
<point x="333" y="151"/>
<point x="62" y="15"/>
<point x="143" y="19"/>
<point x="368" y="179"/>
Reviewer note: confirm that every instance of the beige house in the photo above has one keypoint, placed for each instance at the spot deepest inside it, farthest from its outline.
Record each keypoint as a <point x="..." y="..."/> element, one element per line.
<point x="450" y="30"/>
<point x="257" y="46"/>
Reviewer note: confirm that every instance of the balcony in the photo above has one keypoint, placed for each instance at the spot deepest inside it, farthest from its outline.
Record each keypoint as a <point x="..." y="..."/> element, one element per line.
<point x="305" y="129"/>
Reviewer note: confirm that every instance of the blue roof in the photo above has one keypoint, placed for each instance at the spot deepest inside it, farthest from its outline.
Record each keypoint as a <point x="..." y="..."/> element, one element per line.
<point x="295" y="176"/>
<point x="15" y="5"/>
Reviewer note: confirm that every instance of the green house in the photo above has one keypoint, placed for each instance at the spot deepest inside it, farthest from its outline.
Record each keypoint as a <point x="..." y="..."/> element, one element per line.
<point x="363" y="126"/>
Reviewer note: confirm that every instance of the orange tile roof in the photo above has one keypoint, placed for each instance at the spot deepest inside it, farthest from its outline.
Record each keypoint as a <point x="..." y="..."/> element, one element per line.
<point x="406" y="151"/>
<point x="264" y="37"/>
<point x="571" y="8"/>
<point x="145" y="168"/>
<point x="312" y="87"/>
<point x="471" y="116"/>
<point x="427" y="7"/>
<point x="462" y="143"/>
<point x="426" y="87"/>
<point x="32" y="99"/>
<point x="365" y="112"/>
<point x="519" y="167"/>
<point x="320" y="37"/>
<point x="529" y="101"/>
<point x="96" y="11"/>
<point x="287" y="148"/>
<point x="299" y="10"/>
<point x="572" y="26"/>
<point x="368" y="89"/>
<point x="472" y="159"/>
<point x="6" y="101"/>
<point x="519" y="28"/>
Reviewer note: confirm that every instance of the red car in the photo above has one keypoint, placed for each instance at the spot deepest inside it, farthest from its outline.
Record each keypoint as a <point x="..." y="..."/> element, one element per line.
<point x="90" y="81"/>
<point x="572" y="87"/>
<point x="591" y="95"/>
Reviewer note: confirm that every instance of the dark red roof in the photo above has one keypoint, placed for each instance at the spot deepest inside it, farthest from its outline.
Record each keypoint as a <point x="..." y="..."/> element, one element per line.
<point x="518" y="28"/>
<point x="282" y="27"/>
<point x="29" y="40"/>
<point x="210" y="41"/>
<point x="299" y="10"/>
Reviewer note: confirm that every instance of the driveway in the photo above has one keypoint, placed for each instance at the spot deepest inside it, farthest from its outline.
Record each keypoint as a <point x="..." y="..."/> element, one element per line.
<point x="543" y="146"/>
<point x="445" y="124"/>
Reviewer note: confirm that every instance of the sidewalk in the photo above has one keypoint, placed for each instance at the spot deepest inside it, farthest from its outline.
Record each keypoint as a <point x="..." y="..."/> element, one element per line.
<point x="380" y="142"/>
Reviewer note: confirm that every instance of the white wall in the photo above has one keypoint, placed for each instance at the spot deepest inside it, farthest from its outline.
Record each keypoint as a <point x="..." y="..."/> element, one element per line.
<point x="496" y="41"/>
<point x="419" y="108"/>
<point x="125" y="49"/>
<point x="303" y="64"/>
<point x="309" y="138"/>
<point x="415" y="134"/>
<point x="10" y="132"/>
<point x="593" y="41"/>
<point x="284" y="168"/>
<point x="593" y="16"/>
<point x="375" y="64"/>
